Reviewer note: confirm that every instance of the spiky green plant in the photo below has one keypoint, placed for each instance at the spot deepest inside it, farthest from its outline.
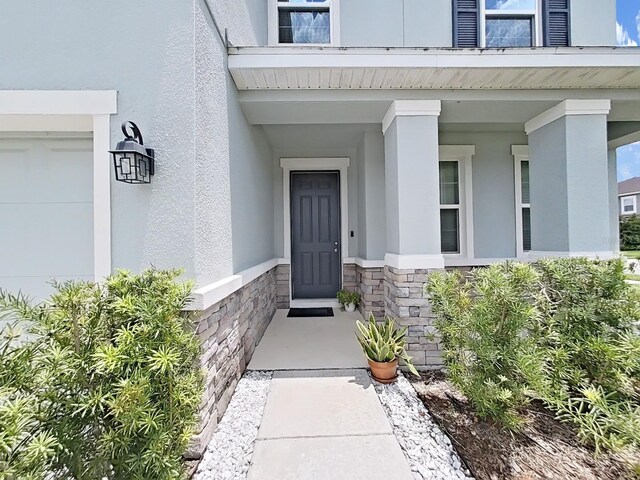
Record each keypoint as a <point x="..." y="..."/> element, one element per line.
<point x="107" y="386"/>
<point x="383" y="342"/>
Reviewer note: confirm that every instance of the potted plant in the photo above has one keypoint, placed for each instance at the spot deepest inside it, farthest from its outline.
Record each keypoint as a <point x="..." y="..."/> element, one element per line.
<point x="348" y="300"/>
<point x="383" y="344"/>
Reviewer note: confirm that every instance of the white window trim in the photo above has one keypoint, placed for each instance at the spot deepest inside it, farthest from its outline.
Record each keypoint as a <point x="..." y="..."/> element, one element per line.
<point x="334" y="25"/>
<point x="634" y="203"/>
<point x="520" y="154"/>
<point x="463" y="154"/>
<point x="72" y="111"/>
<point x="538" y="39"/>
<point x="340" y="164"/>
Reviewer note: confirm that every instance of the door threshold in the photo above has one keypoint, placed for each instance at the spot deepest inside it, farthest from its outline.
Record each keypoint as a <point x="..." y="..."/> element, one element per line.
<point x="314" y="302"/>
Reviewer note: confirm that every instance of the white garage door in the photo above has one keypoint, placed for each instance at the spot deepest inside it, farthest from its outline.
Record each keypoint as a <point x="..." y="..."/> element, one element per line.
<point x="46" y="212"/>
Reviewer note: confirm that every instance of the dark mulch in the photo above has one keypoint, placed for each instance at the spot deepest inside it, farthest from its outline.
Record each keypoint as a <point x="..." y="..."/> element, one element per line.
<point x="544" y="449"/>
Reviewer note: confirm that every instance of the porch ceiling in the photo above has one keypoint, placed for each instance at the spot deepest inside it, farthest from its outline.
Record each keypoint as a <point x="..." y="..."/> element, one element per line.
<point x="322" y="68"/>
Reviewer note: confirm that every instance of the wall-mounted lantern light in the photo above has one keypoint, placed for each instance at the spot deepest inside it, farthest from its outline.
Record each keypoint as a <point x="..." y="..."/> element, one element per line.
<point x="134" y="163"/>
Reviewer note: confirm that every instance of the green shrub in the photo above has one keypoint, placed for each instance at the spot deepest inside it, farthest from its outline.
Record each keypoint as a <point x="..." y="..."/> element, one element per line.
<point x="588" y="339"/>
<point x="484" y="321"/>
<point x="630" y="232"/>
<point x="345" y="297"/>
<point x="111" y="378"/>
<point x="562" y="331"/>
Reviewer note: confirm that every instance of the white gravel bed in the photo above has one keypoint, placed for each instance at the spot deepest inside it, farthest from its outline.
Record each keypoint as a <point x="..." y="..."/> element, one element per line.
<point x="427" y="448"/>
<point x="228" y="455"/>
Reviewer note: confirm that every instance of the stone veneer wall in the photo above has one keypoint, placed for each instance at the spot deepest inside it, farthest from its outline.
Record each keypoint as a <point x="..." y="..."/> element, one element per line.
<point x="370" y="286"/>
<point x="229" y="332"/>
<point x="406" y="300"/>
<point x="349" y="280"/>
<point x="282" y="282"/>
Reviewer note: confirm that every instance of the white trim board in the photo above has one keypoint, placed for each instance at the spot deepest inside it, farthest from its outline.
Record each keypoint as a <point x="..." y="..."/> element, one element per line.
<point x="410" y="108"/>
<point x="79" y="111"/>
<point x="463" y="154"/>
<point x="566" y="108"/>
<point x="520" y="154"/>
<point x="406" y="262"/>
<point x="341" y="164"/>
<point x="208" y="295"/>
<point x="607" y="255"/>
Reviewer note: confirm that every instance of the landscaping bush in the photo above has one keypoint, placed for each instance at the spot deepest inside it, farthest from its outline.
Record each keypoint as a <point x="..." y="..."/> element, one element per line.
<point x="562" y="331"/>
<point x="630" y="232"/>
<point x="588" y="341"/>
<point x="107" y="386"/>
<point x="484" y="320"/>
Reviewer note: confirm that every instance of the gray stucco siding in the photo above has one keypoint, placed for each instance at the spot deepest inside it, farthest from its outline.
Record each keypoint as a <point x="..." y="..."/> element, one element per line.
<point x="593" y="23"/>
<point x="179" y="92"/>
<point x="548" y="177"/>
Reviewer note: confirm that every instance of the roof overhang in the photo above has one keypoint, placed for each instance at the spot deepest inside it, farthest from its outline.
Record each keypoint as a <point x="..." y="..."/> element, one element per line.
<point x="322" y="68"/>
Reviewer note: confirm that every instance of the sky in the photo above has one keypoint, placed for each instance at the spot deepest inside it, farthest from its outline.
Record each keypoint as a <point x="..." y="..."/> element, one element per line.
<point x="628" y="33"/>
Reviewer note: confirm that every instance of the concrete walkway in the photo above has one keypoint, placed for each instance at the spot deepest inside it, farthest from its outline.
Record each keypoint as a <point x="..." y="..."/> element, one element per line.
<point x="325" y="424"/>
<point x="309" y="343"/>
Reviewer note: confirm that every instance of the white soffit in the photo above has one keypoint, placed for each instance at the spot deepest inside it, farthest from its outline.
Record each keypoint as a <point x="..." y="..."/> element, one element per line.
<point x="302" y="68"/>
<point x="568" y="107"/>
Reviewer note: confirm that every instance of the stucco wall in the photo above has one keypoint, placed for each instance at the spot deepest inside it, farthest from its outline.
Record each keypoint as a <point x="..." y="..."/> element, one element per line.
<point x="493" y="189"/>
<point x="83" y="45"/>
<point x="593" y="23"/>
<point x="395" y="23"/>
<point x="421" y="23"/>
<point x="169" y="68"/>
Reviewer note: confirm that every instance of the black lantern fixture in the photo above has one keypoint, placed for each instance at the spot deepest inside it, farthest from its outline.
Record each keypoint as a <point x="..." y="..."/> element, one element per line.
<point x="134" y="163"/>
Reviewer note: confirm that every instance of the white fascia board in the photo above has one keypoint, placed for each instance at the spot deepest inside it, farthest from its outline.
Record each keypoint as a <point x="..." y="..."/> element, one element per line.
<point x="410" y="108"/>
<point x="566" y="108"/>
<point x="326" y="57"/>
<point x="58" y="102"/>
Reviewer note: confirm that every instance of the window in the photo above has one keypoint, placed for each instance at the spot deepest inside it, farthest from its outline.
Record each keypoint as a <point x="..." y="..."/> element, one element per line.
<point x="456" y="212"/>
<point x="510" y="23"/>
<point x="449" y="207"/>
<point x="305" y="22"/>
<point x="628" y="205"/>
<point x="523" y="199"/>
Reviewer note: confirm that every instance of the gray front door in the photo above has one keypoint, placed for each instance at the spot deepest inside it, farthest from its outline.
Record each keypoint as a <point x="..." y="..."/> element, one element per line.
<point x="315" y="234"/>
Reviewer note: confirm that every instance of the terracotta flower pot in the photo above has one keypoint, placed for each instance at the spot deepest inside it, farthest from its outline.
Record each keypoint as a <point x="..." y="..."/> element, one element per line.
<point x="386" y="372"/>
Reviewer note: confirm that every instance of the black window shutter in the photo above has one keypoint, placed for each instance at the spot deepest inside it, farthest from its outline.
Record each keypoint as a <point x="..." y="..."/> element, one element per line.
<point x="557" y="23"/>
<point x="466" y="23"/>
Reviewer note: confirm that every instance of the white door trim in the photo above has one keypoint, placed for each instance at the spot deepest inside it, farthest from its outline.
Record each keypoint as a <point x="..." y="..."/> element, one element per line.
<point x="340" y="164"/>
<point x="79" y="111"/>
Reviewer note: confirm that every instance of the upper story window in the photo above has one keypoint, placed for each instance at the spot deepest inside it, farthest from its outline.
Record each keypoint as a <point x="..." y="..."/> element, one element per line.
<point x="303" y="22"/>
<point x="628" y="205"/>
<point x="511" y="23"/>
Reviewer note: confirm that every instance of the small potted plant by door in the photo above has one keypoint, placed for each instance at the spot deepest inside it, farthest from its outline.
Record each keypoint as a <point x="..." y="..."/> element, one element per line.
<point x="384" y="344"/>
<point x="348" y="300"/>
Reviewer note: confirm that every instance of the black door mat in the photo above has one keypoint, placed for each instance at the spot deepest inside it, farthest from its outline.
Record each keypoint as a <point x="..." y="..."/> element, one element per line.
<point x="310" y="312"/>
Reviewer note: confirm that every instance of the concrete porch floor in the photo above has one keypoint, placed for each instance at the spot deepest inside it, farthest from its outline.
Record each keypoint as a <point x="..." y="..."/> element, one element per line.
<point x="312" y="343"/>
